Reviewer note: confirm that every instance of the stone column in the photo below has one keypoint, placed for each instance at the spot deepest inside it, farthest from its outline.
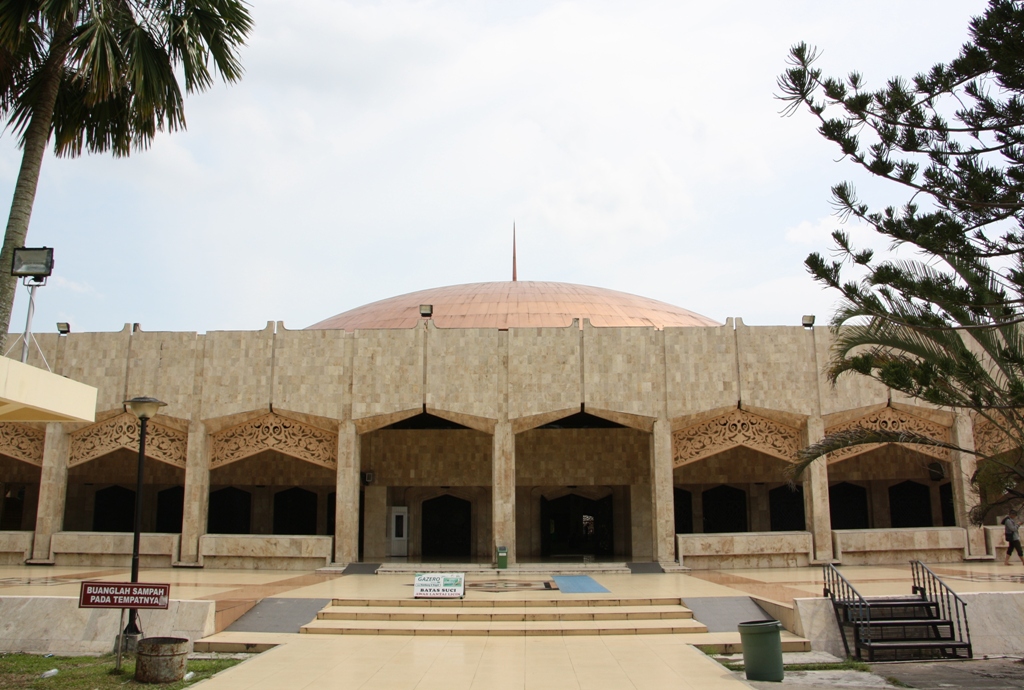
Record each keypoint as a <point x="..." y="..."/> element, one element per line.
<point x="965" y="496"/>
<point x="53" y="481"/>
<point x="663" y="519"/>
<point x="503" y="481"/>
<point x="641" y="514"/>
<point x="816" y="508"/>
<point x="196" y="510"/>
<point x="346" y="497"/>
<point x="375" y="523"/>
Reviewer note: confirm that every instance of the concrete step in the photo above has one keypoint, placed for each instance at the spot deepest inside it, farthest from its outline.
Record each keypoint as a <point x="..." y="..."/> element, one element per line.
<point x="511" y="603"/>
<point x="513" y="570"/>
<point x="558" y="627"/>
<point x="504" y="613"/>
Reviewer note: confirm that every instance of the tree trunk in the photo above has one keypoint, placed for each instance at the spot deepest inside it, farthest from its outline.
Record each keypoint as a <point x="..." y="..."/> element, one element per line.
<point x="37" y="136"/>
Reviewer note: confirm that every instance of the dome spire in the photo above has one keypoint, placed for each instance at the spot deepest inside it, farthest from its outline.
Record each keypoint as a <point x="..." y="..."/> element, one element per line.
<point x="514" y="278"/>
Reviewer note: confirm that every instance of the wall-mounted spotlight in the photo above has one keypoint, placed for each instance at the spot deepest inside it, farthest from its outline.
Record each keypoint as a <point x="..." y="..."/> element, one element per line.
<point x="63" y="327"/>
<point x="807" y="321"/>
<point x="426" y="310"/>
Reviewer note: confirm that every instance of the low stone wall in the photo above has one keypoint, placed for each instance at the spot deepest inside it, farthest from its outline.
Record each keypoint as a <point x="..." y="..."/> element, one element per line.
<point x="744" y="550"/>
<point x="899" y="546"/>
<point x="15" y="547"/>
<point x="56" y="624"/>
<point x="265" y="552"/>
<point x="156" y="550"/>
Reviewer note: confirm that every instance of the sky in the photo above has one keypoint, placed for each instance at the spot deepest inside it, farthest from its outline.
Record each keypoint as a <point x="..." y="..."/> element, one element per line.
<point x="378" y="148"/>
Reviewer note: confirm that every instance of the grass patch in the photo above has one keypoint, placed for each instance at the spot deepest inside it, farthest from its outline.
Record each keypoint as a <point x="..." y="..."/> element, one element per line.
<point x="897" y="682"/>
<point x="91" y="672"/>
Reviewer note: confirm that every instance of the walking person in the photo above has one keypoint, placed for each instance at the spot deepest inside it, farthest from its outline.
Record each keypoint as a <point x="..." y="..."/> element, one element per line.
<point x="1012" y="535"/>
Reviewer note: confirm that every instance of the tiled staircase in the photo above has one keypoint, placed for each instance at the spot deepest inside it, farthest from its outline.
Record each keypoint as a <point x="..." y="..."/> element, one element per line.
<point x="596" y="616"/>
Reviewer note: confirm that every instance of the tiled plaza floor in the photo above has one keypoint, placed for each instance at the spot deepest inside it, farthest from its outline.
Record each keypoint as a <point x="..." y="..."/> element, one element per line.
<point x="534" y="663"/>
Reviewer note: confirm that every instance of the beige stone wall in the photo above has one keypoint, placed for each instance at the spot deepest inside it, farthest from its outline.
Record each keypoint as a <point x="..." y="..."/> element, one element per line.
<point x="734" y="465"/>
<point x="331" y="379"/>
<point x="462" y="371"/>
<point x="271" y="468"/>
<point x="431" y="457"/>
<point x="543" y="370"/>
<point x="100" y="360"/>
<point x="236" y="374"/>
<point x="163" y="365"/>
<point x="387" y="374"/>
<point x="582" y="457"/>
<point x="777" y="368"/>
<point x="850" y="392"/>
<point x="312" y="372"/>
<point x="701" y="369"/>
<point x="622" y="370"/>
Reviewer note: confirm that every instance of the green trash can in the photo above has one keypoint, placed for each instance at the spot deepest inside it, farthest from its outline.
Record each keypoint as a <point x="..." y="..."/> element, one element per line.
<point x="502" y="557"/>
<point x="762" y="650"/>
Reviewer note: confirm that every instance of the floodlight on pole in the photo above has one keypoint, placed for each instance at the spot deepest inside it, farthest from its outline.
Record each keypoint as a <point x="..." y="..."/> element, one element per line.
<point x="145" y="408"/>
<point x="33" y="265"/>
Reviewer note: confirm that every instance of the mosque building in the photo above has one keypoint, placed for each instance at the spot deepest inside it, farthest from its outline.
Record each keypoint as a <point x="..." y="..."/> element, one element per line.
<point x="566" y="423"/>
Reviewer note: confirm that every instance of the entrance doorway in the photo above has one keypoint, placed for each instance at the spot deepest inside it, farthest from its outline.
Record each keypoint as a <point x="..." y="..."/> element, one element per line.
<point x="295" y="511"/>
<point x="447" y="528"/>
<point x="576" y="526"/>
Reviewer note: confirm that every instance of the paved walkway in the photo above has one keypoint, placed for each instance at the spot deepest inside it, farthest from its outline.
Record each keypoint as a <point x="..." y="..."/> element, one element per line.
<point x="595" y="663"/>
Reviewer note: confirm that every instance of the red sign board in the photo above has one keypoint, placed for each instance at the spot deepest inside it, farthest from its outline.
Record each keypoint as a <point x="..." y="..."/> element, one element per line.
<point x="123" y="595"/>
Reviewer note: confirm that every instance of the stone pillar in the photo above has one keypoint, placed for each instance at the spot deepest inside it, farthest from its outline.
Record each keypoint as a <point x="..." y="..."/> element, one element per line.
<point x="760" y="514"/>
<point x="503" y="481"/>
<point x="816" y="508"/>
<point x="53" y="481"/>
<point x="263" y="509"/>
<point x="640" y="522"/>
<point x="375" y="523"/>
<point x="346" y="497"/>
<point x="196" y="510"/>
<point x="663" y="519"/>
<point x="962" y="467"/>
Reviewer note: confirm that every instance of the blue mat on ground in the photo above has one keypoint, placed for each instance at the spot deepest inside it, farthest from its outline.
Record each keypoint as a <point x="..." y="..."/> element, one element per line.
<point x="578" y="584"/>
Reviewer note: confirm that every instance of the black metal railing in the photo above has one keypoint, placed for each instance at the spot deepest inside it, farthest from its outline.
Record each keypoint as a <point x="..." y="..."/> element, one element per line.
<point x="950" y="606"/>
<point x="849" y="605"/>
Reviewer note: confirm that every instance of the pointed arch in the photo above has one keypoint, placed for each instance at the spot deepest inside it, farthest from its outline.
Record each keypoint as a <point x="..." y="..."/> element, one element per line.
<point x="22" y="442"/>
<point x="274" y="432"/>
<point x="163" y="443"/>
<point x="735" y="428"/>
<point x="891" y="419"/>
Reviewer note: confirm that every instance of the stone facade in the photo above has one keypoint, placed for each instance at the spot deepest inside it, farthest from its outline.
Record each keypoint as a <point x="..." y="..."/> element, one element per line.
<point x="333" y="434"/>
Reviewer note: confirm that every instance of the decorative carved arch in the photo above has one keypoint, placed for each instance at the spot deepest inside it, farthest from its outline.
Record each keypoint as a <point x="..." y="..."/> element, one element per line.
<point x="274" y="432"/>
<point x="22" y="442"/>
<point x="989" y="440"/>
<point x="890" y="419"/>
<point x="736" y="428"/>
<point x="122" y="431"/>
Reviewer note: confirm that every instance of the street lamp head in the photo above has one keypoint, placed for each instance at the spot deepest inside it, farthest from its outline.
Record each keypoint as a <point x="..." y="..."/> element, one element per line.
<point x="144" y="407"/>
<point x="32" y="262"/>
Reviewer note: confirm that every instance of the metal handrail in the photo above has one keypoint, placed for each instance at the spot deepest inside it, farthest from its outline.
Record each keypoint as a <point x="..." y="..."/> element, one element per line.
<point x="950" y="606"/>
<point x="845" y="595"/>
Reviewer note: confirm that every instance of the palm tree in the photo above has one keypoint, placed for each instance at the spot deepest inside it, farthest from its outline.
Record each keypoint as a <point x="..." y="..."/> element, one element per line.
<point x="102" y="76"/>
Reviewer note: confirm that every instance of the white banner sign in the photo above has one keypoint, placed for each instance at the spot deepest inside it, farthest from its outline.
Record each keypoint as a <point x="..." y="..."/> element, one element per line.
<point x="439" y="586"/>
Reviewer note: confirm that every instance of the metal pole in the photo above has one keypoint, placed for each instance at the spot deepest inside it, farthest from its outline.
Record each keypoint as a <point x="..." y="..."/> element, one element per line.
<point x="133" y="625"/>
<point x="28" y="322"/>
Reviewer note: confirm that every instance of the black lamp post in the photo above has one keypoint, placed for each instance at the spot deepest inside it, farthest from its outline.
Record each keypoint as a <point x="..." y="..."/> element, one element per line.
<point x="145" y="409"/>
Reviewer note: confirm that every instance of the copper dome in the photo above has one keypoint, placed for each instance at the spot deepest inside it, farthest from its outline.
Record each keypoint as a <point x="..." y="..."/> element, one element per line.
<point x="515" y="304"/>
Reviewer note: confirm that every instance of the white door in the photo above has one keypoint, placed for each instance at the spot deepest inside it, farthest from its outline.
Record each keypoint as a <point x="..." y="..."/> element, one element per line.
<point x="398" y="531"/>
